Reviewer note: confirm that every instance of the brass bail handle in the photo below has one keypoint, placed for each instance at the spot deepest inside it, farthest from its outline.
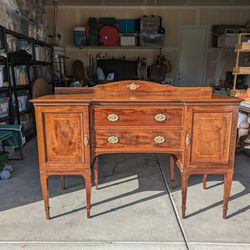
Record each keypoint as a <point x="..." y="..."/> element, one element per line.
<point x="160" y="117"/>
<point x="159" y="139"/>
<point x="113" y="139"/>
<point x="113" y="117"/>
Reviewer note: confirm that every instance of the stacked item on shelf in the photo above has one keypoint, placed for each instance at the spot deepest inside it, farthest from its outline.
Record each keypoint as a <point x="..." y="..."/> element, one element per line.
<point x="243" y="46"/>
<point x="24" y="16"/>
<point x="42" y="53"/>
<point x="10" y="15"/>
<point x="151" y="31"/>
<point x="4" y="105"/>
<point x="92" y="34"/>
<point x="244" y="118"/>
<point x="79" y="36"/>
<point x="11" y="42"/>
<point x="21" y="75"/>
<point x="22" y="44"/>
<point x="23" y="100"/>
<point x="225" y="36"/>
<point x="109" y="31"/>
<point x="128" y="31"/>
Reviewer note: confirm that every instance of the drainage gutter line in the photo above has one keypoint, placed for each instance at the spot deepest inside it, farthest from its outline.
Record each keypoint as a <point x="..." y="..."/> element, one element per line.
<point x="173" y="206"/>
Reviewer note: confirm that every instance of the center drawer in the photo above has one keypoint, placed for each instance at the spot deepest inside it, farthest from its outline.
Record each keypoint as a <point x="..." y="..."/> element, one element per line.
<point x="137" y="116"/>
<point x="137" y="139"/>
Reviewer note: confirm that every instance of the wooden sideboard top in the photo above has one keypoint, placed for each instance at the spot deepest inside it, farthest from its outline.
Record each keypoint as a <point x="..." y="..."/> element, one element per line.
<point x="135" y="91"/>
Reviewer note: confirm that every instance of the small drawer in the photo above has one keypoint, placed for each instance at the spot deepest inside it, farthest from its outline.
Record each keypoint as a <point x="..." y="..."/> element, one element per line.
<point x="138" y="116"/>
<point x="137" y="140"/>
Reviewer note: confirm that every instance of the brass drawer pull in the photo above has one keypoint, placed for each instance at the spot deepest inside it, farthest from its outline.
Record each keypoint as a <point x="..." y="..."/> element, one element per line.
<point x="113" y="117"/>
<point x="160" y="117"/>
<point x="113" y="139"/>
<point x="159" y="139"/>
<point x="133" y="86"/>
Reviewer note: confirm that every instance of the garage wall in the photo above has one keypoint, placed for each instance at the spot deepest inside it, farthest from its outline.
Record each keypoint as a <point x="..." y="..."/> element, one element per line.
<point x="218" y="60"/>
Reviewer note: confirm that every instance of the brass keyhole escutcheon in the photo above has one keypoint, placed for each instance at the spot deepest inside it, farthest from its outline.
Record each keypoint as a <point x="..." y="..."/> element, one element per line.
<point x="133" y="86"/>
<point x="86" y="140"/>
<point x="160" y="117"/>
<point x="159" y="139"/>
<point x="113" y="139"/>
<point x="188" y="139"/>
<point x="113" y="117"/>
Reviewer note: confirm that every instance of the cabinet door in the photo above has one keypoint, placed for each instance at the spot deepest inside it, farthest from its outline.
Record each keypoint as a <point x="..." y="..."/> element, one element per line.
<point x="63" y="134"/>
<point x="212" y="132"/>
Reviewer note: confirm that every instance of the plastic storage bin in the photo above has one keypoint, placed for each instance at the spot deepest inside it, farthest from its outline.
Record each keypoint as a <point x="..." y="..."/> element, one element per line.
<point x="79" y="36"/>
<point x="153" y="40"/>
<point x="4" y="106"/>
<point x="150" y="25"/>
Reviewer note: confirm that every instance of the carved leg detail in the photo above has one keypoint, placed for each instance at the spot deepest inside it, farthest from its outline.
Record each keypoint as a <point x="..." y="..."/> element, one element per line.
<point x="63" y="182"/>
<point x="228" y="178"/>
<point x="96" y="173"/>
<point x="87" y="177"/>
<point x="205" y="181"/>
<point x="184" y="183"/>
<point x="44" y="186"/>
<point x="172" y="164"/>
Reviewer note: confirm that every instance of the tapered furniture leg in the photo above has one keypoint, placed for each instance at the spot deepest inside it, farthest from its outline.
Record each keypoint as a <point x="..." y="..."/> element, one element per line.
<point x="205" y="181"/>
<point x="172" y="164"/>
<point x="96" y="173"/>
<point x="184" y="183"/>
<point x="228" y="178"/>
<point x="63" y="182"/>
<point x="44" y="186"/>
<point x="87" y="177"/>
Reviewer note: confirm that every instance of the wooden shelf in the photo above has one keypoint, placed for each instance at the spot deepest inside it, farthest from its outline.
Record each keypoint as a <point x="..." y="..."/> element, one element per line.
<point x="4" y="118"/>
<point x="121" y="47"/>
<point x="4" y="89"/>
<point x="26" y="111"/>
<point x="40" y="63"/>
<point x="241" y="70"/>
<point x="243" y="47"/>
<point x="24" y="86"/>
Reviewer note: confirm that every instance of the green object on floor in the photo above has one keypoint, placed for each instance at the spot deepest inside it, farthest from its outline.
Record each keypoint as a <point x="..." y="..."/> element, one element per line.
<point x="3" y="159"/>
<point x="4" y="135"/>
<point x="11" y="136"/>
<point x="16" y="140"/>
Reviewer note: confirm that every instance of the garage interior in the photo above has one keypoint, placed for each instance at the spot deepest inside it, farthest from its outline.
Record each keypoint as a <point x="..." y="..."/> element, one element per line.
<point x="50" y="45"/>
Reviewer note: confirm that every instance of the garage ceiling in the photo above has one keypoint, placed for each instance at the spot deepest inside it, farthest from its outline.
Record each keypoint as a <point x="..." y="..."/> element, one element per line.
<point x="152" y="2"/>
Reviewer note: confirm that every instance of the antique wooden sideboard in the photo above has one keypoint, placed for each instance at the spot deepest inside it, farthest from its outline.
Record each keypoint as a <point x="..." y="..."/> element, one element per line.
<point x="196" y="127"/>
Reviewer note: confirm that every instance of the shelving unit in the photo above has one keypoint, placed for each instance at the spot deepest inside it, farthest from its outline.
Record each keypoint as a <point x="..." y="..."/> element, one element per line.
<point x="38" y="66"/>
<point x="147" y="47"/>
<point x="239" y="48"/>
<point x="5" y="94"/>
<point x="22" y="93"/>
